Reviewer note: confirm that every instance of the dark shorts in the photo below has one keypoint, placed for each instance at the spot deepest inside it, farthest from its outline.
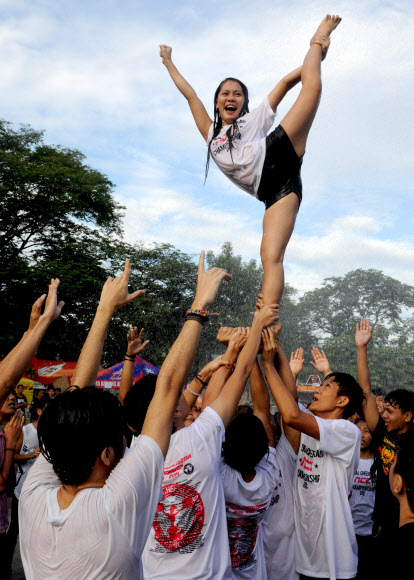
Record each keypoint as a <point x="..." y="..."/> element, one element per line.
<point x="281" y="169"/>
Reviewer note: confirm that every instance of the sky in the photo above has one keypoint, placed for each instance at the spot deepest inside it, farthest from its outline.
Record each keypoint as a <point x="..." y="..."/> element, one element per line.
<point x="90" y="75"/>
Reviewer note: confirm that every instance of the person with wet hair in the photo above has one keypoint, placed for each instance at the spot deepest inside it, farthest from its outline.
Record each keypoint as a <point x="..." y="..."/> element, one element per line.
<point x="82" y="497"/>
<point x="327" y="460"/>
<point x="388" y="432"/>
<point x="266" y="166"/>
<point x="402" y="487"/>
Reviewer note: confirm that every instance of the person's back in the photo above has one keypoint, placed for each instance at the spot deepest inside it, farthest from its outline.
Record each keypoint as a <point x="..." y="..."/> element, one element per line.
<point x="189" y="531"/>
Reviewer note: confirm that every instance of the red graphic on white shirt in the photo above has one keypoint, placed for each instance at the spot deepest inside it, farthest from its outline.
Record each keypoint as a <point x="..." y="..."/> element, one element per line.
<point x="306" y="464"/>
<point x="179" y="518"/>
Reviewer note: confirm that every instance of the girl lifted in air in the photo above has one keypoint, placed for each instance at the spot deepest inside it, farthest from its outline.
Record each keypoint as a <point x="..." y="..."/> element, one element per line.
<point x="266" y="166"/>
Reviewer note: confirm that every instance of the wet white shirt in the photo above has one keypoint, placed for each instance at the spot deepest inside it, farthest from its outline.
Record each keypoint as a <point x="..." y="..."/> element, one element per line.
<point x="325" y="538"/>
<point x="101" y="535"/>
<point x="244" y="165"/>
<point x="362" y="499"/>
<point x="189" y="535"/>
<point x="29" y="444"/>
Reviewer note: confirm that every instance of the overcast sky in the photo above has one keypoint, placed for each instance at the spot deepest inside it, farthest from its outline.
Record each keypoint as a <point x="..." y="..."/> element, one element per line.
<point x="89" y="73"/>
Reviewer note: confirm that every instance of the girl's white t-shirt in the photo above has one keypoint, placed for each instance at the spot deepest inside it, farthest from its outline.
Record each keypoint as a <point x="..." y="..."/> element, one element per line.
<point x="246" y="505"/>
<point x="325" y="539"/>
<point x="363" y="498"/>
<point x="278" y="523"/>
<point x="188" y="538"/>
<point x="29" y="444"/>
<point x="101" y="535"/>
<point x="244" y="164"/>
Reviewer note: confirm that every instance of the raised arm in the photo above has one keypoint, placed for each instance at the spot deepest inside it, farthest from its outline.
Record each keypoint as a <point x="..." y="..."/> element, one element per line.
<point x="288" y="407"/>
<point x="14" y="365"/>
<point x="12" y="433"/>
<point x="363" y="335"/>
<point x="283" y="87"/>
<point x="114" y="295"/>
<point x="202" y="380"/>
<point x="177" y="365"/>
<point x="237" y="339"/>
<point x="321" y="363"/>
<point x="201" y="117"/>
<point x="227" y="401"/>
<point x="135" y="347"/>
<point x="261" y="401"/>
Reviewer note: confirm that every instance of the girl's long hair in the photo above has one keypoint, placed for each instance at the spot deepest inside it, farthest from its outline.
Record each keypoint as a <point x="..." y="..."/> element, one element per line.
<point x="218" y="122"/>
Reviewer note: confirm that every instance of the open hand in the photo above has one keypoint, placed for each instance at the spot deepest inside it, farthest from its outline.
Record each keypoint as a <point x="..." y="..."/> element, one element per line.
<point x="53" y="308"/>
<point x="321" y="363"/>
<point x="363" y="333"/>
<point x="36" y="311"/>
<point x="296" y="361"/>
<point x="115" y="290"/>
<point x="208" y="284"/>
<point x="135" y="344"/>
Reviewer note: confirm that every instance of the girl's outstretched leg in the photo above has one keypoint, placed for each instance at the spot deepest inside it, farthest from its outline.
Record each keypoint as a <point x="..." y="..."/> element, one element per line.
<point x="299" y="119"/>
<point x="278" y="224"/>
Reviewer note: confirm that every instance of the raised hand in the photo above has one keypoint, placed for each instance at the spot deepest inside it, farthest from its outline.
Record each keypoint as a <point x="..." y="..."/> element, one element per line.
<point x="165" y="52"/>
<point x="296" y="361"/>
<point x="215" y="364"/>
<point x="53" y="308"/>
<point x="270" y="343"/>
<point x="238" y="338"/>
<point x="259" y="304"/>
<point x="224" y="334"/>
<point x="135" y="344"/>
<point x="13" y="429"/>
<point x="321" y="363"/>
<point x="363" y="333"/>
<point x="267" y="316"/>
<point x="208" y="284"/>
<point x="115" y="291"/>
<point x="36" y="311"/>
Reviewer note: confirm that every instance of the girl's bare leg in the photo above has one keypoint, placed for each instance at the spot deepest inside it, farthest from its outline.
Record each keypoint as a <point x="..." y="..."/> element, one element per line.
<point x="299" y="119"/>
<point x="279" y="219"/>
<point x="278" y="224"/>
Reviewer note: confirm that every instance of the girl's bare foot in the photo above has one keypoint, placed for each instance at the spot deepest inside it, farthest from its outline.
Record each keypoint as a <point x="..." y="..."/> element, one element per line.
<point x="323" y="32"/>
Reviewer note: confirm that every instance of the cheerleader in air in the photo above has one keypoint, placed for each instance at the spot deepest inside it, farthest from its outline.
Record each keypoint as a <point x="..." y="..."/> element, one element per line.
<point x="265" y="165"/>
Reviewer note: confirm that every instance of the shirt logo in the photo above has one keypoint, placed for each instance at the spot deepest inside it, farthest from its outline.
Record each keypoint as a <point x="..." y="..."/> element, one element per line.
<point x="188" y="468"/>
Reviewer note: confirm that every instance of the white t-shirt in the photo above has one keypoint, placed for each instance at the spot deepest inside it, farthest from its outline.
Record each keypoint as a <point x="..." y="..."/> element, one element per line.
<point x="243" y="166"/>
<point x="278" y="525"/>
<point x="29" y="444"/>
<point x="363" y="498"/>
<point x="189" y="535"/>
<point x="101" y="535"/>
<point x="246" y="504"/>
<point x="325" y="539"/>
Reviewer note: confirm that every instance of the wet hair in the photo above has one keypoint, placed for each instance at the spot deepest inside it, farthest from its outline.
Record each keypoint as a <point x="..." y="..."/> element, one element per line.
<point x="245" y="409"/>
<point x="348" y="387"/>
<point x="137" y="401"/>
<point x="246" y="443"/>
<point x="377" y="392"/>
<point x="218" y="122"/>
<point x="403" y="399"/>
<point x="75" y="428"/>
<point x="404" y="465"/>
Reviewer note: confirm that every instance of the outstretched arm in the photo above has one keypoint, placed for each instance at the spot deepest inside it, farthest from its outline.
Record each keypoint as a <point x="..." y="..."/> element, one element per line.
<point x="202" y="380"/>
<point x="114" y="295"/>
<point x="363" y="335"/>
<point x="283" y="87"/>
<point x="177" y="365"/>
<point x="135" y="347"/>
<point x="296" y="363"/>
<point x="198" y="110"/>
<point x="17" y="361"/>
<point x="261" y="401"/>
<point x="227" y="401"/>
<point x="288" y="407"/>
<point x="12" y="433"/>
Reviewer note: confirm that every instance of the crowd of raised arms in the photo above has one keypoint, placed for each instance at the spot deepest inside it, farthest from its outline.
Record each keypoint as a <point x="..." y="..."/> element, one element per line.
<point x="173" y="481"/>
<point x="178" y="482"/>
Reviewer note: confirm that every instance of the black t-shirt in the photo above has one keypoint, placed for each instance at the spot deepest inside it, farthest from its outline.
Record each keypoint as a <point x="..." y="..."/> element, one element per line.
<point x="403" y="553"/>
<point x="21" y="399"/>
<point x="387" y="508"/>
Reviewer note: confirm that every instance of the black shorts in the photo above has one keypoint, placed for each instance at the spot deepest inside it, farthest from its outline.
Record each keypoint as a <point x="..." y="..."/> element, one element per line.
<point x="281" y="169"/>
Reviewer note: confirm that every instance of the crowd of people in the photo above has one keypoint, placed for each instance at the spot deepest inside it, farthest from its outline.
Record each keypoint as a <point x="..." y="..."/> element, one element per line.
<point x="174" y="482"/>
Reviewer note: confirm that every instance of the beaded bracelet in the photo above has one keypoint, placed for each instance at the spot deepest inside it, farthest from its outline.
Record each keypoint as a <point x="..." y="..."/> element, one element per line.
<point x="192" y="392"/>
<point x="198" y="313"/>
